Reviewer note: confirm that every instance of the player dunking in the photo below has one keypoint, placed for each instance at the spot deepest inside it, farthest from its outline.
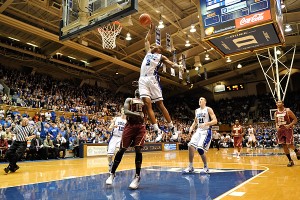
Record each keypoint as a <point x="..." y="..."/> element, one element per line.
<point x="237" y="133"/>
<point x="134" y="134"/>
<point x="200" y="141"/>
<point x="117" y="127"/>
<point x="149" y="82"/>
<point x="285" y="120"/>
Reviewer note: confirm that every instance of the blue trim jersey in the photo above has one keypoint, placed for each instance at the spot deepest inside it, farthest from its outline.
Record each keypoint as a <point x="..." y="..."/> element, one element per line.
<point x="150" y="65"/>
<point x="202" y="116"/>
<point x="118" y="131"/>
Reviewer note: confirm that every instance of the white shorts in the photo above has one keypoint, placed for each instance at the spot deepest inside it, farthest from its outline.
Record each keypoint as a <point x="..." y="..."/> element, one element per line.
<point x="149" y="87"/>
<point x="201" y="139"/>
<point x="114" y="143"/>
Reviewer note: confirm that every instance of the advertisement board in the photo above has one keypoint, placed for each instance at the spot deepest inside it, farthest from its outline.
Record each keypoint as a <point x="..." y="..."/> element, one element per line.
<point x="219" y="16"/>
<point x="96" y="150"/>
<point x="247" y="40"/>
<point x="147" y="147"/>
<point x="170" y="146"/>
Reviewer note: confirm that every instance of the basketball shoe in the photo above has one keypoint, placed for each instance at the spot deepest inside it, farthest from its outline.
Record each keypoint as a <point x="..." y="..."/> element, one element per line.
<point x="290" y="164"/>
<point x="135" y="182"/>
<point x="188" y="170"/>
<point x="110" y="179"/>
<point x="11" y="169"/>
<point x="205" y="170"/>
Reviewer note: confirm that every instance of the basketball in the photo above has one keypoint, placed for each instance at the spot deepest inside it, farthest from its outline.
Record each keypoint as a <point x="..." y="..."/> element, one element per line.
<point x="145" y="19"/>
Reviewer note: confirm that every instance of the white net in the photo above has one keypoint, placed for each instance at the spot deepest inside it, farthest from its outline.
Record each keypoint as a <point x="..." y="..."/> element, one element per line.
<point x="109" y="33"/>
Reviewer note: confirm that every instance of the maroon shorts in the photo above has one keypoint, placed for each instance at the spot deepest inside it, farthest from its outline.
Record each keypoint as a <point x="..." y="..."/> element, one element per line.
<point x="285" y="136"/>
<point x="133" y="135"/>
<point x="237" y="141"/>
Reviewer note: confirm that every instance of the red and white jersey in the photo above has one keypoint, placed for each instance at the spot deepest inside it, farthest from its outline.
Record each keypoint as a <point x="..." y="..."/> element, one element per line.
<point x="237" y="130"/>
<point x="151" y="64"/>
<point x="282" y="117"/>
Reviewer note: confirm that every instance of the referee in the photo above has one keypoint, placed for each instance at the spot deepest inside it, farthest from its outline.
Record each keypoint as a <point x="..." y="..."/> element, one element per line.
<point x="18" y="147"/>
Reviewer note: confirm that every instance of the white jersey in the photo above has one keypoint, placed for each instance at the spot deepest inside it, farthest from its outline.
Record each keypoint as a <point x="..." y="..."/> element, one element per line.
<point x="151" y="64"/>
<point x="251" y="131"/>
<point x="118" y="131"/>
<point x="202" y="116"/>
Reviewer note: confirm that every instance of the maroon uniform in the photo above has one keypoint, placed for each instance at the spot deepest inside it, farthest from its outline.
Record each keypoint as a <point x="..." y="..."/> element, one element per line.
<point x="284" y="135"/>
<point x="237" y="135"/>
<point x="135" y="131"/>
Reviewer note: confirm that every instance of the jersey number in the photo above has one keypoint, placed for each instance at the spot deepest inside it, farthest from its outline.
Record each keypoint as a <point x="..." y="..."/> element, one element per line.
<point x="148" y="60"/>
<point x="201" y="120"/>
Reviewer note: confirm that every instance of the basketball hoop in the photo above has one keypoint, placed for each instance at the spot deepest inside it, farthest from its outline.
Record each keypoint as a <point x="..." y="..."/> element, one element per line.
<point x="109" y="33"/>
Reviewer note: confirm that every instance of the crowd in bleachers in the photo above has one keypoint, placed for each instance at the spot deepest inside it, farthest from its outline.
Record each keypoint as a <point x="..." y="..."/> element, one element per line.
<point x="90" y="104"/>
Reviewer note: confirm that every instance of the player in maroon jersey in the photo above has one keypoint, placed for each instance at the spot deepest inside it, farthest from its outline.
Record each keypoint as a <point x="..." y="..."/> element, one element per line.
<point x="133" y="135"/>
<point x="285" y="119"/>
<point x="237" y="133"/>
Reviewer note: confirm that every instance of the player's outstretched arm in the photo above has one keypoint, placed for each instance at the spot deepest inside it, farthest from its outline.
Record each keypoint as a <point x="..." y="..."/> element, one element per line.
<point x="148" y="38"/>
<point x="170" y="63"/>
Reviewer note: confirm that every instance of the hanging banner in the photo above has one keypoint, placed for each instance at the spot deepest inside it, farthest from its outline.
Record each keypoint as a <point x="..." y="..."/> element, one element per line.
<point x="205" y="73"/>
<point x="172" y="72"/>
<point x="183" y="61"/>
<point x="164" y="68"/>
<point x="174" y="57"/>
<point x="199" y="73"/>
<point x="188" y="77"/>
<point x="180" y="74"/>
<point x="157" y="36"/>
<point x="168" y="42"/>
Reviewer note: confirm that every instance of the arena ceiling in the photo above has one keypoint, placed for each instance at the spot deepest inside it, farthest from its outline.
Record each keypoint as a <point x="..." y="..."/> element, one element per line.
<point x="37" y="22"/>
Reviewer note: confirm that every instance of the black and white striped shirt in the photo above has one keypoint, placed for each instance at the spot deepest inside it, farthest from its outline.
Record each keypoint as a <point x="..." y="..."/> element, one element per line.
<point x="22" y="132"/>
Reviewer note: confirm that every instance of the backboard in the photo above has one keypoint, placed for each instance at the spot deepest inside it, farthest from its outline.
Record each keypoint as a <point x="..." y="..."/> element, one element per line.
<point x="272" y="111"/>
<point x="80" y="16"/>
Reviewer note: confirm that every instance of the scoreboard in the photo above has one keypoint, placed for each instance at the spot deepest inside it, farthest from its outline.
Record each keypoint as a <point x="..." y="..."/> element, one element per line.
<point x="241" y="18"/>
<point x="219" y="16"/>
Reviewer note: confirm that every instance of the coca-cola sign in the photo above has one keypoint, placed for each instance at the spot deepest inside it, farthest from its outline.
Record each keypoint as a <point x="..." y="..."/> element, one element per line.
<point x="255" y="18"/>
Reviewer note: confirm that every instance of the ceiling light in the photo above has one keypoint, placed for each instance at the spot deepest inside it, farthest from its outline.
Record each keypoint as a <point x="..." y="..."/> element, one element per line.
<point x="278" y="52"/>
<point x="117" y="72"/>
<point x="196" y="68"/>
<point x="239" y="66"/>
<point x="187" y="43"/>
<point x="13" y="38"/>
<point x="193" y="29"/>
<point x="207" y="57"/>
<point x="161" y="24"/>
<point x="228" y="59"/>
<point x="71" y="57"/>
<point x="59" y="53"/>
<point x="128" y="36"/>
<point x="282" y="6"/>
<point x="85" y="62"/>
<point x="288" y="28"/>
<point x="32" y="44"/>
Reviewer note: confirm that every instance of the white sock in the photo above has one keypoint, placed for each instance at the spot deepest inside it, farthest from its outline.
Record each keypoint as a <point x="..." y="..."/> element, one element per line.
<point x="170" y="125"/>
<point x="190" y="165"/>
<point x="155" y="127"/>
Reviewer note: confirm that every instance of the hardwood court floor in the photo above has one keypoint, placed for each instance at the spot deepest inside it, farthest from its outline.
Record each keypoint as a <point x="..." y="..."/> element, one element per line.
<point x="276" y="181"/>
